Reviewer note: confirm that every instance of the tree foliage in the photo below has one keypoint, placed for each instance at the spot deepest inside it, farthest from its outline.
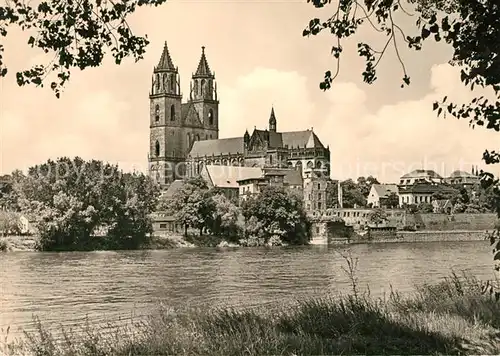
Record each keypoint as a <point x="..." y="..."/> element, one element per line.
<point x="277" y="212"/>
<point x="392" y="201"/>
<point x="377" y="216"/>
<point x="365" y="184"/>
<point x="196" y="205"/>
<point x="9" y="223"/>
<point x="77" y="33"/>
<point x="74" y="200"/>
<point x="469" y="27"/>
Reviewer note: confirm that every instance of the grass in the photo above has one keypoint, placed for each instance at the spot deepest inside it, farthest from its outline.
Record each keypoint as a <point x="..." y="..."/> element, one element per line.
<point x="451" y="317"/>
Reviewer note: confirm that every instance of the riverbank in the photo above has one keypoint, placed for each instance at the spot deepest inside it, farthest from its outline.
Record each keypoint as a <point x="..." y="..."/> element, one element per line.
<point x="12" y="243"/>
<point x="452" y="317"/>
<point x="428" y="236"/>
<point x="172" y="241"/>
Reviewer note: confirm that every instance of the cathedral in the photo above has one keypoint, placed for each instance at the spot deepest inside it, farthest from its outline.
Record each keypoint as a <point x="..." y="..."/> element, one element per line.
<point x="184" y="137"/>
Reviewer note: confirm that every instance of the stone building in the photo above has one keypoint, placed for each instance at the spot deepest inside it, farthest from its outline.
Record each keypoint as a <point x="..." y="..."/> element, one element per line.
<point x="174" y="125"/>
<point x="463" y="178"/>
<point x="184" y="137"/>
<point x="315" y="190"/>
<point x="420" y="176"/>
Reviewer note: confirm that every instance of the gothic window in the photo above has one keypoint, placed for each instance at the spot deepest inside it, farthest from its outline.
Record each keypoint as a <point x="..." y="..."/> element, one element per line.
<point x="270" y="159"/>
<point x="157" y="82"/>
<point x="210" y="117"/>
<point x="197" y="138"/>
<point x="157" y="113"/>
<point x="189" y="140"/>
<point x="157" y="149"/>
<point x="196" y="87"/>
<point x="202" y="87"/>
<point x="172" y="83"/>
<point x="165" y="82"/>
<point x="318" y="165"/>
<point x="172" y="113"/>
<point x="210" y="136"/>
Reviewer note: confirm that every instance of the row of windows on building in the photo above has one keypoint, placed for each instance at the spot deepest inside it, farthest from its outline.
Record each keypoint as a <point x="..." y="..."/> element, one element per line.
<point x="316" y="205"/>
<point x="418" y="199"/>
<point x="319" y="196"/>
<point x="172" y="114"/>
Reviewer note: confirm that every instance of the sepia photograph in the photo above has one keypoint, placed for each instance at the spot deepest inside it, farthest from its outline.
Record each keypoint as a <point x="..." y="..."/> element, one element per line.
<point x="249" y="177"/>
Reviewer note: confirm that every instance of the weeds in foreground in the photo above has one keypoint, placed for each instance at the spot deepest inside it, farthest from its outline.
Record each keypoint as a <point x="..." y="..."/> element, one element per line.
<point x="4" y="246"/>
<point x="341" y="325"/>
<point x="452" y="317"/>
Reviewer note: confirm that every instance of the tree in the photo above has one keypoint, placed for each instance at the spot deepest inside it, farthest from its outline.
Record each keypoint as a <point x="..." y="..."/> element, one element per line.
<point x="9" y="223"/>
<point x="224" y="217"/>
<point x="277" y="212"/>
<point x="191" y="204"/>
<point x="77" y="33"/>
<point x="365" y="185"/>
<point x="9" y="199"/>
<point x="71" y="199"/>
<point x="351" y="194"/>
<point x="425" y="208"/>
<point x="392" y="201"/>
<point x="377" y="216"/>
<point x="469" y="27"/>
<point x="449" y="193"/>
<point x="332" y="195"/>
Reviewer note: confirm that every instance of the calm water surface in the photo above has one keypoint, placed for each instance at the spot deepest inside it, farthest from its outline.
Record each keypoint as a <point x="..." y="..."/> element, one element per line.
<point x="65" y="288"/>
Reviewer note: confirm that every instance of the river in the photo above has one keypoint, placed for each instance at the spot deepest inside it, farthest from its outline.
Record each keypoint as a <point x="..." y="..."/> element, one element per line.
<point x="65" y="288"/>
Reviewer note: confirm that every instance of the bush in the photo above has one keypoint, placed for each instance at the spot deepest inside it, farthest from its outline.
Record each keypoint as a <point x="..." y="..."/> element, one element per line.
<point x="4" y="246"/>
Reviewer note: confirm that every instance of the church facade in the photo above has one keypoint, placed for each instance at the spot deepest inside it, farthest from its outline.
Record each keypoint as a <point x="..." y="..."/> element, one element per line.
<point x="184" y="137"/>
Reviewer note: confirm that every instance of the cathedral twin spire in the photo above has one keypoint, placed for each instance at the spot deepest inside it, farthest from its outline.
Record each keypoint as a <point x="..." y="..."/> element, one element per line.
<point x="165" y="63"/>
<point x="203" y="85"/>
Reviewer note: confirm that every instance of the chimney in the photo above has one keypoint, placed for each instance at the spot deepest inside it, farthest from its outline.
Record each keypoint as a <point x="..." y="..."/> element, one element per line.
<point x="339" y="189"/>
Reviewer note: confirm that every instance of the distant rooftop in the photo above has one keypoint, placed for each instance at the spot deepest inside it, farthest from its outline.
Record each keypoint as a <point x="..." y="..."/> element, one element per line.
<point x="422" y="173"/>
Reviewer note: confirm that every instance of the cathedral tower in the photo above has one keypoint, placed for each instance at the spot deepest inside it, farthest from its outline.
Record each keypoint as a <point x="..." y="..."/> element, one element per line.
<point x="203" y="95"/>
<point x="165" y="147"/>
<point x="272" y="121"/>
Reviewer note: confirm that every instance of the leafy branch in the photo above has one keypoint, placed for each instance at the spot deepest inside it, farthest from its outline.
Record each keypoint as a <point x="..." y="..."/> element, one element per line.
<point x="78" y="32"/>
<point x="470" y="27"/>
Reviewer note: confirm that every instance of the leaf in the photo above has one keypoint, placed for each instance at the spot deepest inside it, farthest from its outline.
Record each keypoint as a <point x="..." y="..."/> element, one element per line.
<point x="435" y="106"/>
<point x="497" y="256"/>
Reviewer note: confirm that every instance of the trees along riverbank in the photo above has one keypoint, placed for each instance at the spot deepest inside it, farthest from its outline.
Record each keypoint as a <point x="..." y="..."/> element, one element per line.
<point x="91" y="205"/>
<point x="86" y="205"/>
<point x="274" y="216"/>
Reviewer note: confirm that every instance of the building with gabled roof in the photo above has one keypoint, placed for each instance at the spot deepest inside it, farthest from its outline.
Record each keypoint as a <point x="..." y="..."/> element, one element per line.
<point x="184" y="137"/>
<point x="379" y="192"/>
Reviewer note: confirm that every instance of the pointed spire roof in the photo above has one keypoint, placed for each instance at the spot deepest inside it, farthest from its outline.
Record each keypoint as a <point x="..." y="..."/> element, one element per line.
<point x="272" y="118"/>
<point x="165" y="62"/>
<point x="203" y="67"/>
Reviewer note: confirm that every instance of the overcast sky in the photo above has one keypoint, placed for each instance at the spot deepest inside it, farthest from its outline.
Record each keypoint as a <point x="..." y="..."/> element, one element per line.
<point x="260" y="59"/>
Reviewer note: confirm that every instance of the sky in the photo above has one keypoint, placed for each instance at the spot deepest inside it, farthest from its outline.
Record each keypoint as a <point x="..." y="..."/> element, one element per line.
<point x="261" y="60"/>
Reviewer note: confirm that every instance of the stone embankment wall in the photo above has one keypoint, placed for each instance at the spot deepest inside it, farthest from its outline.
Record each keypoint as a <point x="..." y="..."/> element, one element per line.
<point x="441" y="236"/>
<point x="457" y="222"/>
